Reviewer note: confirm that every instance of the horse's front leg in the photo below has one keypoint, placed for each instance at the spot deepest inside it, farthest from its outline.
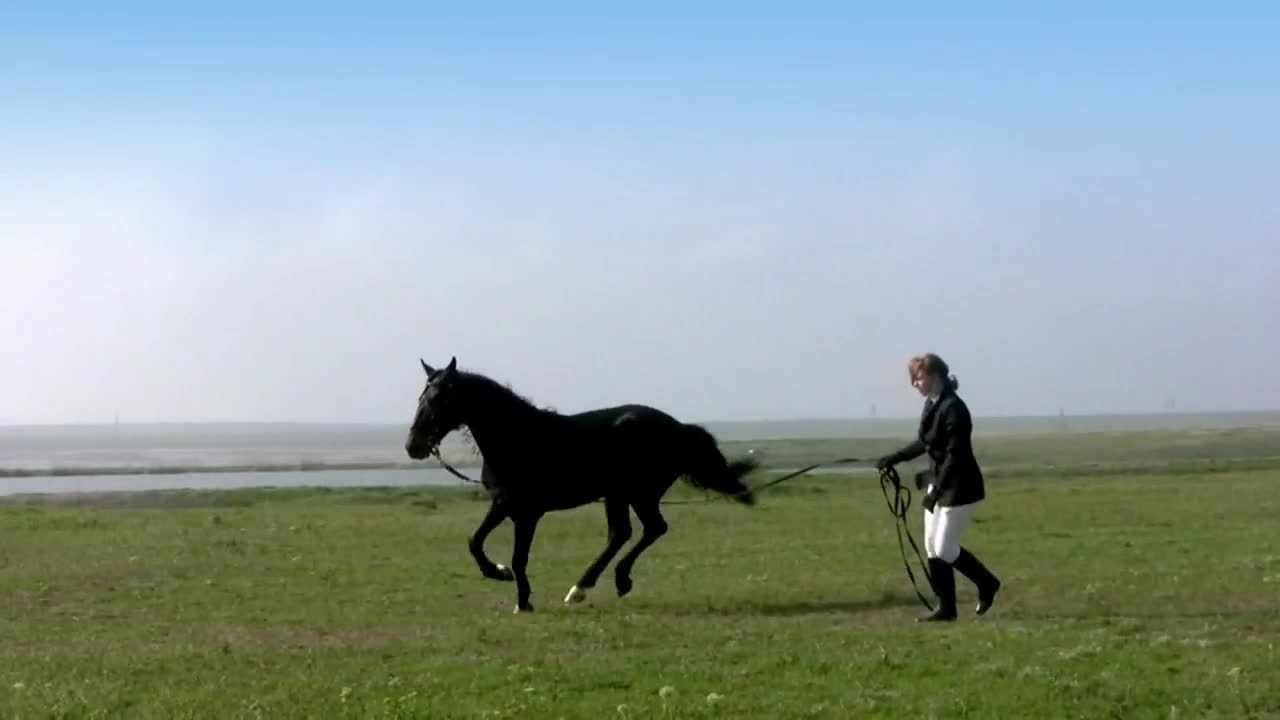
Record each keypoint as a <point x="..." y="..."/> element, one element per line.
<point x="492" y="519"/>
<point x="525" y="525"/>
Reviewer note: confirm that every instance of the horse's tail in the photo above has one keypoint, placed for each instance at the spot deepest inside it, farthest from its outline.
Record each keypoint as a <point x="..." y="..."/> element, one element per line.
<point x="704" y="466"/>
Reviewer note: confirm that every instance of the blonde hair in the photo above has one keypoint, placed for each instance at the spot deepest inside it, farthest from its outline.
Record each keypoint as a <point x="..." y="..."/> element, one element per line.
<point x="931" y="364"/>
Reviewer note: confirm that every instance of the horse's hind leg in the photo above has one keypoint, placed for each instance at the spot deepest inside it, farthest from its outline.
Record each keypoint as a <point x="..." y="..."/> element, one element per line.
<point x="653" y="526"/>
<point x="618" y="515"/>
<point x="492" y="519"/>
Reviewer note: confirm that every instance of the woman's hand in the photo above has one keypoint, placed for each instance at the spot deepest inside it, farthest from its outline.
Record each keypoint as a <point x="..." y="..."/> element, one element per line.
<point x="930" y="500"/>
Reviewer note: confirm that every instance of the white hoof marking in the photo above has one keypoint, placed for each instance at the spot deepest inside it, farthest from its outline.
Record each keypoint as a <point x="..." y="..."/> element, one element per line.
<point x="576" y="595"/>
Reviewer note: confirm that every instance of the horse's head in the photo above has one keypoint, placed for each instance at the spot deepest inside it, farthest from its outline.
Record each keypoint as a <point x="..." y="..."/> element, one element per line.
<point x="438" y="411"/>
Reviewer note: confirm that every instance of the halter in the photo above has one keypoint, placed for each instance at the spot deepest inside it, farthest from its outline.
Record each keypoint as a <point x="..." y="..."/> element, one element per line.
<point x="456" y="473"/>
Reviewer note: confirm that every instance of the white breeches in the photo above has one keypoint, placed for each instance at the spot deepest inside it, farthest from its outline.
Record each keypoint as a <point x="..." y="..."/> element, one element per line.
<point x="943" y="528"/>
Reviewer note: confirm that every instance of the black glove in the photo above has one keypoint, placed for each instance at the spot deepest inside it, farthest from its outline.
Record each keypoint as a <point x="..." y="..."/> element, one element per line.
<point x="929" y="501"/>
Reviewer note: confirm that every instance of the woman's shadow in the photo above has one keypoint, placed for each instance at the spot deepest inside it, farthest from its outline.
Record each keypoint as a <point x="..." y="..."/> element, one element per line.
<point x="886" y="600"/>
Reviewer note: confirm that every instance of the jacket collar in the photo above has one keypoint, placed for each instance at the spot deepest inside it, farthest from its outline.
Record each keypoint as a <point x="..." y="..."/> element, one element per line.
<point x="933" y="408"/>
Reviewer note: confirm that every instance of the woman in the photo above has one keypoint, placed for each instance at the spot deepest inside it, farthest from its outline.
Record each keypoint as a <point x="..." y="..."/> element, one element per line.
<point x="953" y="485"/>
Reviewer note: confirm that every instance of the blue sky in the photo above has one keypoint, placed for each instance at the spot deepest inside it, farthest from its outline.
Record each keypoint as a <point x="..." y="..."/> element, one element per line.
<point x="239" y="213"/>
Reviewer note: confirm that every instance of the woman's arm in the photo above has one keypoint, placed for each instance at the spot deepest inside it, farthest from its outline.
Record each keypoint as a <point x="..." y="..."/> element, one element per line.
<point x="910" y="451"/>
<point x="956" y="428"/>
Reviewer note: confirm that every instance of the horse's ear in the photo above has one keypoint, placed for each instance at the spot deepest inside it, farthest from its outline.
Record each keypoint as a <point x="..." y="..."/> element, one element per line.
<point x="452" y="367"/>
<point x="429" y="370"/>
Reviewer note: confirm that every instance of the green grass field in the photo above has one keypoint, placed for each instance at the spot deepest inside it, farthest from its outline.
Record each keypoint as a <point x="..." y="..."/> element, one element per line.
<point x="1151" y="590"/>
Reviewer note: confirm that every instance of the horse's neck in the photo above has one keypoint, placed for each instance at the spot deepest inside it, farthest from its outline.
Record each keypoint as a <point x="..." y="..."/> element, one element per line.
<point x="503" y="424"/>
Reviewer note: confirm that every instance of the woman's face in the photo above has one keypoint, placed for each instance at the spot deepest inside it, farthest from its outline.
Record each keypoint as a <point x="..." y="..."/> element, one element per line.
<point x="927" y="383"/>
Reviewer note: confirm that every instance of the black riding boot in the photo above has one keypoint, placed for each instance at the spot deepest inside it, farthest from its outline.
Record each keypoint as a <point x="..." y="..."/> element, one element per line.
<point x="979" y="575"/>
<point x="944" y="585"/>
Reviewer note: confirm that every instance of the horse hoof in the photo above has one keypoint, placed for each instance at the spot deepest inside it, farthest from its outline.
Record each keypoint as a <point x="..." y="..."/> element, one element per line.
<point x="520" y="609"/>
<point x="624" y="585"/>
<point x="576" y="595"/>
<point x="501" y="572"/>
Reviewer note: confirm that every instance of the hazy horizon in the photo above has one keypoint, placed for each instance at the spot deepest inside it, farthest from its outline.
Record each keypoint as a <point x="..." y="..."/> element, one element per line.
<point x="269" y="214"/>
<point x="90" y="448"/>
<point x="1266" y="414"/>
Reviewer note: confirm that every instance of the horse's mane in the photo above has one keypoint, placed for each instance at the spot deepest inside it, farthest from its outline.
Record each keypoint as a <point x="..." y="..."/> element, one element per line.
<point x="491" y="391"/>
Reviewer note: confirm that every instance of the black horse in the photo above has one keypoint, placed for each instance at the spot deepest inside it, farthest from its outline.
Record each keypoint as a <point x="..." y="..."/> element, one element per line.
<point x="537" y="461"/>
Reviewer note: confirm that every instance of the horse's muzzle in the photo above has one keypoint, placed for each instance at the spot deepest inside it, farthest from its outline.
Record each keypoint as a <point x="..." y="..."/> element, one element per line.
<point x="418" y="449"/>
<point x="420" y="446"/>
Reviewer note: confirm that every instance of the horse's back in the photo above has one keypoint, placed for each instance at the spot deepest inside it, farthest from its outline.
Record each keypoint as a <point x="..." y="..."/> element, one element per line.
<point x="619" y="414"/>
<point x="619" y="429"/>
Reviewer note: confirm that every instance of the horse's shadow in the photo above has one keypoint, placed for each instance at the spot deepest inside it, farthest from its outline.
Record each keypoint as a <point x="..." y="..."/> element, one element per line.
<point x="885" y="601"/>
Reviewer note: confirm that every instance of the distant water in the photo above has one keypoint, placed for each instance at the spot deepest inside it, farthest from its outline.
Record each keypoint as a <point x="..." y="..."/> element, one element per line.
<point x="86" y="449"/>
<point x="226" y="480"/>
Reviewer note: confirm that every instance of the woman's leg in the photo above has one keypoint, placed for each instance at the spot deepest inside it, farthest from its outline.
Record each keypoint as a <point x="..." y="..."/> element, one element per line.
<point x="929" y="527"/>
<point x="952" y="524"/>
<point x="967" y="564"/>
<point x="941" y="576"/>
<point x="949" y="527"/>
